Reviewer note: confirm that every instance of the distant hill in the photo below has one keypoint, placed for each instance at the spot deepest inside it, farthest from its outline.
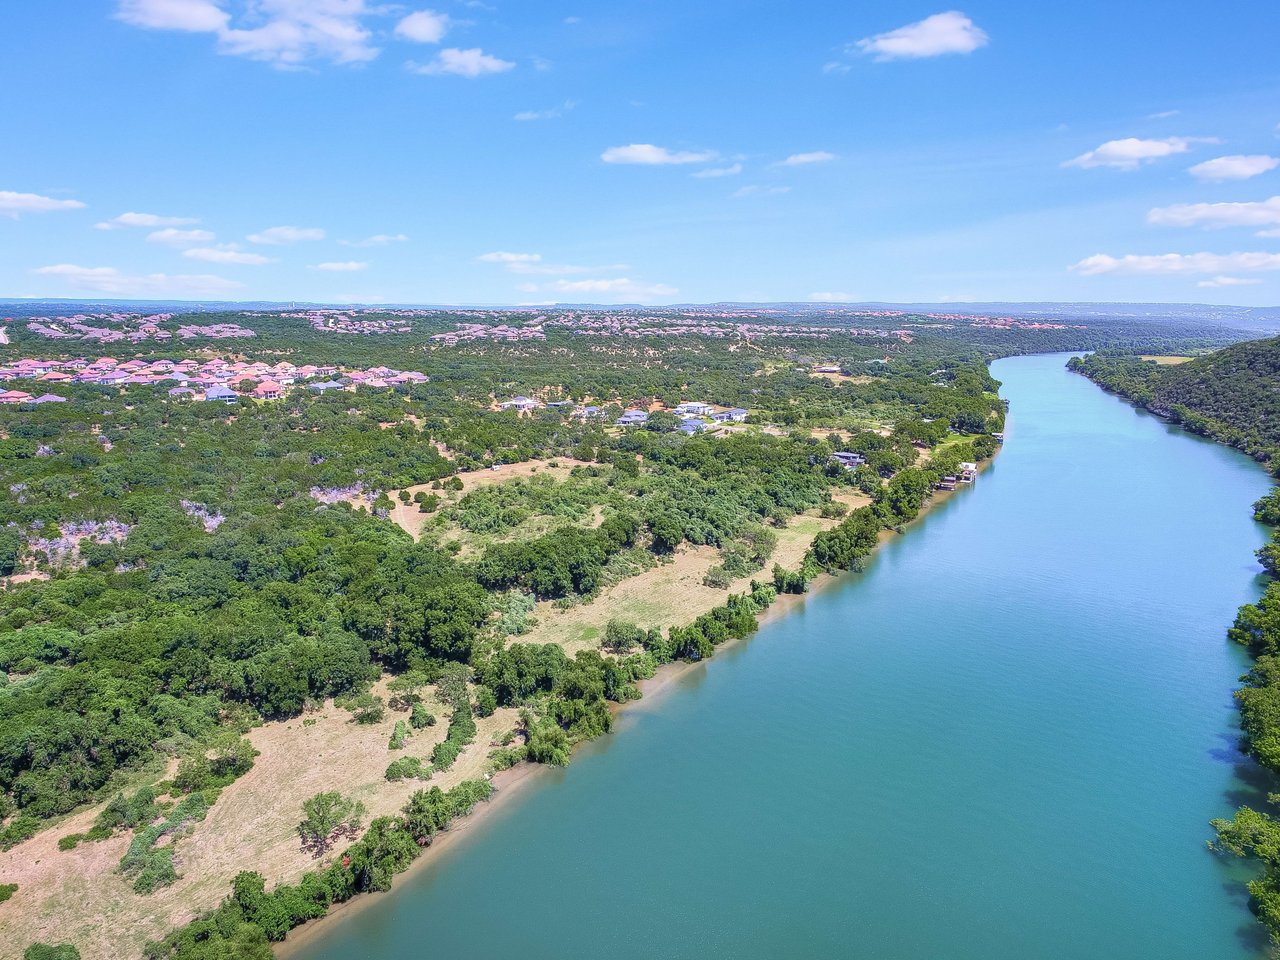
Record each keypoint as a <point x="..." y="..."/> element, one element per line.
<point x="1231" y="395"/>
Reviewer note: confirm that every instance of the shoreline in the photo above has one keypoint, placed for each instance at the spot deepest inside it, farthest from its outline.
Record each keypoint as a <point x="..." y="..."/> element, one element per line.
<point x="507" y="784"/>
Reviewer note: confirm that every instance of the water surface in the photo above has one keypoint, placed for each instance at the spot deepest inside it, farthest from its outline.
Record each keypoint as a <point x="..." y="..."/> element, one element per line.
<point x="1002" y="742"/>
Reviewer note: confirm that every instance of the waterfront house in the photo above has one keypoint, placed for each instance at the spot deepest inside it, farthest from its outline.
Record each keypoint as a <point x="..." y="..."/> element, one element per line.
<point x="968" y="472"/>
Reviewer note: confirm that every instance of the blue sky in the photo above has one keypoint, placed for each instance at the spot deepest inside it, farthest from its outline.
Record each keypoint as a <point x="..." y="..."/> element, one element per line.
<point x="655" y="151"/>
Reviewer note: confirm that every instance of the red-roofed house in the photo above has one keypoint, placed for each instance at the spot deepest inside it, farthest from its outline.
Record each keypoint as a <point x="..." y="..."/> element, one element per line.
<point x="268" y="390"/>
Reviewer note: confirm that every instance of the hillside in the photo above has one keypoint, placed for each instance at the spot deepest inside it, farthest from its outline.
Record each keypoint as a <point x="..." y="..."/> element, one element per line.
<point x="1231" y="395"/>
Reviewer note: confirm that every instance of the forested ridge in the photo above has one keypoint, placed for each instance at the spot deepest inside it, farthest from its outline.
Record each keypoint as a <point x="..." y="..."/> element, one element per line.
<point x="181" y="572"/>
<point x="1231" y="395"/>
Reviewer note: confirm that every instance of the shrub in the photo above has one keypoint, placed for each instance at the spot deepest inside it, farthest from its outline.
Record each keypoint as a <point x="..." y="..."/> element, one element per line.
<point x="421" y="717"/>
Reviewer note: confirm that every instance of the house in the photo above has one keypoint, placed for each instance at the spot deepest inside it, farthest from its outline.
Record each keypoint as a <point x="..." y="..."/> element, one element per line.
<point x="589" y="413"/>
<point x="221" y="393"/>
<point x="182" y="393"/>
<point x="268" y="390"/>
<point x="691" y="425"/>
<point x="736" y="415"/>
<point x="633" y="418"/>
<point x="850" y="461"/>
<point x="50" y="398"/>
<point x="998" y="438"/>
<point x="520" y="404"/>
<point x="56" y="376"/>
<point x="968" y="472"/>
<point x="324" y="386"/>
<point x="14" y="396"/>
<point x="827" y="368"/>
<point x="693" y="408"/>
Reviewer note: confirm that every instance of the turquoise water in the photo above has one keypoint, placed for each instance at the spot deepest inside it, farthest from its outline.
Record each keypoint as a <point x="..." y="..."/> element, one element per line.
<point x="1002" y="742"/>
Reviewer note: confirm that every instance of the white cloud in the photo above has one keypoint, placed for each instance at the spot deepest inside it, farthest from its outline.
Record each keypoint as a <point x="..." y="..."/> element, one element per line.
<point x="226" y="253"/>
<point x="1259" y="213"/>
<point x="463" y="63"/>
<point x="503" y="256"/>
<point x="950" y="32"/>
<point x="730" y="171"/>
<point x="424" y="26"/>
<point x="195" y="16"/>
<point x="285" y="33"/>
<point x="377" y="240"/>
<point x="15" y="204"/>
<point x="804" y="159"/>
<point x="646" y="154"/>
<point x="835" y="66"/>
<point x="1132" y="152"/>
<point x="180" y="238"/>
<point x="347" y="266"/>
<point x="1178" y="263"/>
<point x="148" y="220"/>
<point x="1235" y="167"/>
<point x="554" y="113"/>
<point x="283" y="236"/>
<point x="755" y="190"/>
<point x="832" y="297"/>
<point x="112" y="281"/>
<point x="1229" y="282"/>
<point x="1163" y="114"/>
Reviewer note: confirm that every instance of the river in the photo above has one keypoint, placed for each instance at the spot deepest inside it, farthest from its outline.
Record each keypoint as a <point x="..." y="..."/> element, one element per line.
<point x="1004" y="741"/>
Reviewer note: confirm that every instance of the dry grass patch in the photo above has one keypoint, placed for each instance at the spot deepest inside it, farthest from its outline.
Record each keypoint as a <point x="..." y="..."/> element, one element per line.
<point x="76" y="895"/>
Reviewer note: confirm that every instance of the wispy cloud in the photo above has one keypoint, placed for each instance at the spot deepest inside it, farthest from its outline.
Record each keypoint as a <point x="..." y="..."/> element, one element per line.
<point x="148" y="220"/>
<point x="646" y="154"/>
<point x="554" y="113"/>
<point x="346" y="266"/>
<point x="942" y="33"/>
<point x="15" y="204"/>
<point x="284" y="236"/>
<point x="377" y="240"/>
<point x="227" y="253"/>
<point x="1258" y="213"/>
<point x="1133" y="152"/>
<point x="1178" y="263"/>
<point x="174" y="237"/>
<point x="1230" y="282"/>
<point x="805" y="159"/>
<point x="1234" y="167"/>
<point x="532" y="264"/>
<point x="712" y="172"/>
<point x="110" y="280"/>
<point x="463" y="63"/>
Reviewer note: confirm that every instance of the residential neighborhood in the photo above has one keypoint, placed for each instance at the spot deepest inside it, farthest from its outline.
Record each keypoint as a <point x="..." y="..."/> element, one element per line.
<point x="215" y="380"/>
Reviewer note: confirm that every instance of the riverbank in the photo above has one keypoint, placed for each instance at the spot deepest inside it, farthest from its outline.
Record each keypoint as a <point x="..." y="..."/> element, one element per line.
<point x="1015" y="718"/>
<point x="510" y="784"/>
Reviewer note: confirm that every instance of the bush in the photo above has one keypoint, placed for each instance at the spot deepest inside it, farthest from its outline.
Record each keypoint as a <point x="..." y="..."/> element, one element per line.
<point x="486" y="702"/>
<point x="421" y="717"/>
<point x="399" y="736"/>
<point x="7" y="890"/>
<point x="408" y="768"/>
<point x="41" y="951"/>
